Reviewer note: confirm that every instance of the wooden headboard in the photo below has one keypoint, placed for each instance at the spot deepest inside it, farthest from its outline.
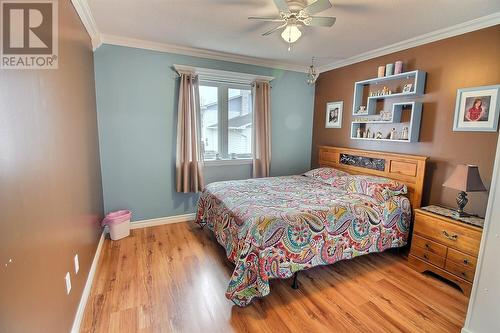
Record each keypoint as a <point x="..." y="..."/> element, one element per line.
<point x="407" y="169"/>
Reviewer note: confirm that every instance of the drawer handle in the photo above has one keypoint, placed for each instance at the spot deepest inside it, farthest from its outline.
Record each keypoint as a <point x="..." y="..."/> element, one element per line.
<point x="427" y="246"/>
<point x="464" y="274"/>
<point x="426" y="256"/>
<point x="450" y="236"/>
<point x="466" y="261"/>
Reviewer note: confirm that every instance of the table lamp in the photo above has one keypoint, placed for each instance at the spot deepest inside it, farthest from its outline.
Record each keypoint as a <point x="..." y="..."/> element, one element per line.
<point x="465" y="178"/>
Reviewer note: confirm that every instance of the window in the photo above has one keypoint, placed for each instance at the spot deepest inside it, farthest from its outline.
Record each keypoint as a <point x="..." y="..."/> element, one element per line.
<point x="226" y="113"/>
<point x="226" y="121"/>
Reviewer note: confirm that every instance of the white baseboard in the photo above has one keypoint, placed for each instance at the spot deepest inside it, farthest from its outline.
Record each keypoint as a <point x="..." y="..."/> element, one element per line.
<point x="464" y="330"/>
<point x="162" y="220"/>
<point x="88" y="286"/>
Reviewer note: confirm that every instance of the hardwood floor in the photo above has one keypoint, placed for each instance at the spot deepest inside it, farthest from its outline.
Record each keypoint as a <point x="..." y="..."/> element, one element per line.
<point x="172" y="278"/>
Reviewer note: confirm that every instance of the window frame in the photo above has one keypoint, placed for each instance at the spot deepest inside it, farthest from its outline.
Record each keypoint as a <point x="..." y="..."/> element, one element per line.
<point x="228" y="77"/>
<point x="223" y="122"/>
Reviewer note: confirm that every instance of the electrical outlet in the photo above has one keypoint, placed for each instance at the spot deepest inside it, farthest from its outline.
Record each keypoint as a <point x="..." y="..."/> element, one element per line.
<point x="68" y="283"/>
<point x="77" y="264"/>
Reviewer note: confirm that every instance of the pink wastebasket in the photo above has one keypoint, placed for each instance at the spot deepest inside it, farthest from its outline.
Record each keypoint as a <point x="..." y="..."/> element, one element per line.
<point x="118" y="223"/>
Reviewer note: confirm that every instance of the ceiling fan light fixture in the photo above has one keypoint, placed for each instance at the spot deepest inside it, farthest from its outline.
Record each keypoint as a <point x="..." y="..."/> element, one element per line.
<point x="291" y="33"/>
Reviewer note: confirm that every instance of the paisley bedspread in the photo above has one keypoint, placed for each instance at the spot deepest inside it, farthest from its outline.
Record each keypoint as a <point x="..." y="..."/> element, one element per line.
<point x="274" y="227"/>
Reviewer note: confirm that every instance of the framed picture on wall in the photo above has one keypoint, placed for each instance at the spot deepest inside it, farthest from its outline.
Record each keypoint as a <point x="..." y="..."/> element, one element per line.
<point x="477" y="109"/>
<point x="334" y="114"/>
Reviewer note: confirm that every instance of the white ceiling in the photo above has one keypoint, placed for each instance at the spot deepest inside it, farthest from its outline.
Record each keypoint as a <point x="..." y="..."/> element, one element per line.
<point x="222" y="25"/>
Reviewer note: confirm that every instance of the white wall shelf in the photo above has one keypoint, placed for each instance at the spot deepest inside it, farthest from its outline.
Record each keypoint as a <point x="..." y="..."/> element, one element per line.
<point x="412" y="124"/>
<point x="416" y="78"/>
<point x="409" y="111"/>
<point x="405" y="75"/>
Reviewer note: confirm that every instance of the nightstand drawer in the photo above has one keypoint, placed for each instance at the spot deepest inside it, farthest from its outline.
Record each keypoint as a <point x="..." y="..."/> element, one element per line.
<point x="448" y="233"/>
<point x="460" y="270"/>
<point x="427" y="256"/>
<point x="462" y="258"/>
<point x="429" y="245"/>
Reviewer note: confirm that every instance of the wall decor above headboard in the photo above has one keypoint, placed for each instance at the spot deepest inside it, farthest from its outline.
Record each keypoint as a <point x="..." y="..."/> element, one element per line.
<point x="375" y="118"/>
<point x="407" y="169"/>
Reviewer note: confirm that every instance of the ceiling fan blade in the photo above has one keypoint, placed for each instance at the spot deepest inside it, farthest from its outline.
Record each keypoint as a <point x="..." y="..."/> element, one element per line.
<point x="317" y="6"/>
<point x="282" y="5"/>
<point x="268" y="19"/>
<point x="267" y="33"/>
<point x="319" y="21"/>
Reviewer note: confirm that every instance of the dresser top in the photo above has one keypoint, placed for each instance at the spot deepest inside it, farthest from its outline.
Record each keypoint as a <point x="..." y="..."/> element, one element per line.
<point x="450" y="213"/>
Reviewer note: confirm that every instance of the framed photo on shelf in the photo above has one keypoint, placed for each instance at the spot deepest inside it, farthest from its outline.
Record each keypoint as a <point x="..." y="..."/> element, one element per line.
<point x="477" y="109"/>
<point x="407" y="87"/>
<point x="334" y="114"/>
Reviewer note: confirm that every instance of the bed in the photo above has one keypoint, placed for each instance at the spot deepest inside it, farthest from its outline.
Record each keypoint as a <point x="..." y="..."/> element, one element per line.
<point x="272" y="228"/>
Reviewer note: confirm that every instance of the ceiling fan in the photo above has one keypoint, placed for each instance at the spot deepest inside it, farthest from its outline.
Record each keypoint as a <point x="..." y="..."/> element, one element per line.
<point x="296" y="13"/>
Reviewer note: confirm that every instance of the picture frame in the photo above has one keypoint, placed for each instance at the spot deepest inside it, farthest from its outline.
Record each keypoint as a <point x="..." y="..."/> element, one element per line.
<point x="407" y="88"/>
<point x="333" y="117"/>
<point x="477" y="109"/>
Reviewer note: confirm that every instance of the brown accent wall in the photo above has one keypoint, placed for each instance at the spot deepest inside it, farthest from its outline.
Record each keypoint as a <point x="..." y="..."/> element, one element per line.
<point x="50" y="184"/>
<point x="468" y="60"/>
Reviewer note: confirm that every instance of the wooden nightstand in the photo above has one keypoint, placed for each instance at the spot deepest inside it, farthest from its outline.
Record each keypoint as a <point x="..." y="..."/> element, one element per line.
<point x="446" y="245"/>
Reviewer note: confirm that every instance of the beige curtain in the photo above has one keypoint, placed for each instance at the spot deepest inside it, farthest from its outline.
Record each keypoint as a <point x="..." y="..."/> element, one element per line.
<point x="261" y="129"/>
<point x="189" y="160"/>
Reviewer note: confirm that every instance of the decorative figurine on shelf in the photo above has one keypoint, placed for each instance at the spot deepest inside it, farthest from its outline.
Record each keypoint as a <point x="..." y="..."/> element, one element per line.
<point x="379" y="135"/>
<point x="367" y="133"/>
<point x="381" y="71"/>
<point x="398" y="68"/>
<point x="358" y="132"/>
<point x="389" y="69"/>
<point x="392" y="136"/>
<point x="362" y="109"/>
<point x="386" y="115"/>
<point x="404" y="133"/>
<point x="385" y="91"/>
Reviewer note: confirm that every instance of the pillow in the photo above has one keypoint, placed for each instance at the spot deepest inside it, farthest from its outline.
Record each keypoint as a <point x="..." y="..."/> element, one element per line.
<point x="326" y="174"/>
<point x="379" y="188"/>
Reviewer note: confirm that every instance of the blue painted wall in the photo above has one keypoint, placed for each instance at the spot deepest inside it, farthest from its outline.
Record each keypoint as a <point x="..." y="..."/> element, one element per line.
<point x="137" y="117"/>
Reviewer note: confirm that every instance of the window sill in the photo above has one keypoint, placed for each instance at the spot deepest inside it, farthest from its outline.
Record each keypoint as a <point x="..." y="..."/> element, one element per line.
<point x="239" y="161"/>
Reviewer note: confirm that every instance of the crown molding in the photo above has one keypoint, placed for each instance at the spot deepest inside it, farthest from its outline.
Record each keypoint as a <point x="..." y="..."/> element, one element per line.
<point x="455" y="30"/>
<point x="83" y="10"/>
<point x="200" y="53"/>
